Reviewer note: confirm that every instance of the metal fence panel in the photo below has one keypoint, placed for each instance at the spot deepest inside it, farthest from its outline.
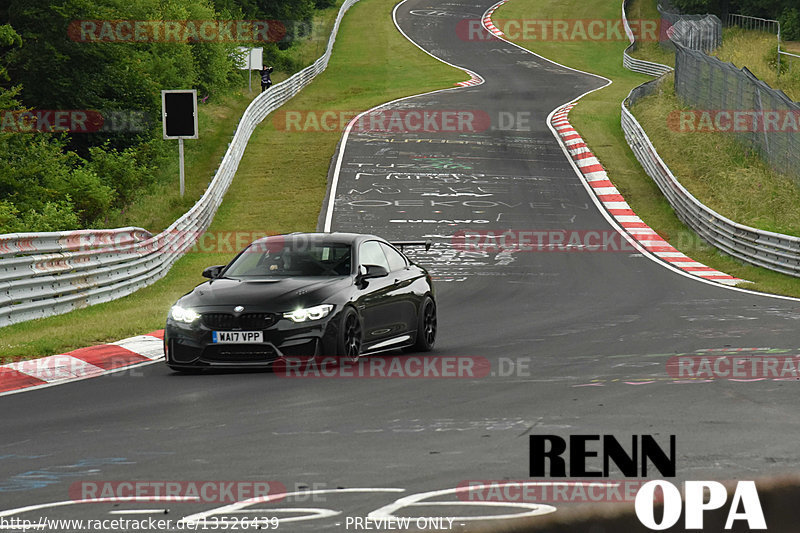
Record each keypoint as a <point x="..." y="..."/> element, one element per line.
<point x="696" y="32"/>
<point x="704" y="82"/>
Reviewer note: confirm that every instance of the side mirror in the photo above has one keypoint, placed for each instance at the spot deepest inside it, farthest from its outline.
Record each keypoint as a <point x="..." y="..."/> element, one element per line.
<point x="372" y="271"/>
<point x="212" y="272"/>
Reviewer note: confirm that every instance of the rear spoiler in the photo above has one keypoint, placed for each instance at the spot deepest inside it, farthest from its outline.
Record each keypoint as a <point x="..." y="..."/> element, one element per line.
<point x="400" y="244"/>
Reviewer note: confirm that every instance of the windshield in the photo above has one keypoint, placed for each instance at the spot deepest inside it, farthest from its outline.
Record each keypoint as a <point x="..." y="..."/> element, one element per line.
<point x="279" y="256"/>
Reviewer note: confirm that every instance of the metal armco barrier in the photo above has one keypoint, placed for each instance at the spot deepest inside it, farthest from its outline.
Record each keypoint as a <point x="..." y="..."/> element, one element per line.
<point x="46" y="274"/>
<point x="762" y="248"/>
<point x="774" y="251"/>
<point x="638" y="65"/>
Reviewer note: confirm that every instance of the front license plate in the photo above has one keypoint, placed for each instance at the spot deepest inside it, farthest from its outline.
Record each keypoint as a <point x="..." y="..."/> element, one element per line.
<point x="237" y="337"/>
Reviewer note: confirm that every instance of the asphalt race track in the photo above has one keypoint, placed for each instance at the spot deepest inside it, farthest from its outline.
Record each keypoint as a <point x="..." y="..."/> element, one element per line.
<point x="577" y="341"/>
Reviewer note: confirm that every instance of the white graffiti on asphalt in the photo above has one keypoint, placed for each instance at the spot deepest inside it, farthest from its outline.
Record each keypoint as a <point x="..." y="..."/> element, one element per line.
<point x="313" y="513"/>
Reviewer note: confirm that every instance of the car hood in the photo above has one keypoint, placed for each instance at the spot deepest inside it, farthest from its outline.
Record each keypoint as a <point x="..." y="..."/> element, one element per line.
<point x="273" y="295"/>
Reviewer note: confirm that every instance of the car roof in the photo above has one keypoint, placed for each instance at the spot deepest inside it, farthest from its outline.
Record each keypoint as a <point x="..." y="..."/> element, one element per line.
<point x="333" y="237"/>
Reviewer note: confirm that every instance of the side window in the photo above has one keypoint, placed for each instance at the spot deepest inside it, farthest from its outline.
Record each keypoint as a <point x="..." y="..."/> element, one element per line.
<point x="396" y="260"/>
<point x="370" y="253"/>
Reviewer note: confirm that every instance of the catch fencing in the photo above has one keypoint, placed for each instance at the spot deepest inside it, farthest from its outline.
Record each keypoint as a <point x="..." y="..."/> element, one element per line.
<point x="45" y="274"/>
<point x="767" y="249"/>
<point x="704" y="82"/>
<point x="695" y="32"/>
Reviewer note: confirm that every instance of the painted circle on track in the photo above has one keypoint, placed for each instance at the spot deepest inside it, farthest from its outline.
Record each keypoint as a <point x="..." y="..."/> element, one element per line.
<point x="311" y="513"/>
<point x="420" y="500"/>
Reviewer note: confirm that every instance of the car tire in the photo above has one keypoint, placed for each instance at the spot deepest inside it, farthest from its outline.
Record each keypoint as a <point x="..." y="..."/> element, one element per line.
<point x="426" y="326"/>
<point x="350" y="336"/>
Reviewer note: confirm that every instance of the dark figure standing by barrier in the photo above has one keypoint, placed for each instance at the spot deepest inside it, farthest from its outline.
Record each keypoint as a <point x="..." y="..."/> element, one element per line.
<point x="266" y="81"/>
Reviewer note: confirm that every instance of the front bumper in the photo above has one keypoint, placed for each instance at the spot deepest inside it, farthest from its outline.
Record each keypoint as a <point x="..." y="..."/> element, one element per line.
<point x="191" y="346"/>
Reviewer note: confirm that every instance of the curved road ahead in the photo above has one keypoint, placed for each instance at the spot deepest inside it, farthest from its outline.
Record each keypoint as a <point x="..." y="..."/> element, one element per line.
<point x="578" y="327"/>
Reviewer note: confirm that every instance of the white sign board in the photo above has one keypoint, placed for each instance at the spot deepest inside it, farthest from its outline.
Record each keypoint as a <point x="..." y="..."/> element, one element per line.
<point x="251" y="58"/>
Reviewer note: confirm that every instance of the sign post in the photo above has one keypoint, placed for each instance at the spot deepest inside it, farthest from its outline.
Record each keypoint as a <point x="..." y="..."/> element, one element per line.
<point x="179" y="117"/>
<point x="253" y="60"/>
<point x="180" y="159"/>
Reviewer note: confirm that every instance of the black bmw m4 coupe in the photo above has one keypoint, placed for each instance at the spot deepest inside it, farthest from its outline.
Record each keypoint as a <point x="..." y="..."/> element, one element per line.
<point x="303" y="295"/>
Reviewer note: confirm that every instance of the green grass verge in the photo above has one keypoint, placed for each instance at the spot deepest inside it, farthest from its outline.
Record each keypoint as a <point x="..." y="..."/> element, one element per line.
<point x="160" y="204"/>
<point x="597" y="118"/>
<point x="649" y="50"/>
<point x="758" y="52"/>
<point x="717" y="170"/>
<point x="280" y="184"/>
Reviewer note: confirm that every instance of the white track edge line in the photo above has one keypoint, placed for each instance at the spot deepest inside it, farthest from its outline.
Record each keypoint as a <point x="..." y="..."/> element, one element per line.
<point x="343" y="144"/>
<point x="597" y="203"/>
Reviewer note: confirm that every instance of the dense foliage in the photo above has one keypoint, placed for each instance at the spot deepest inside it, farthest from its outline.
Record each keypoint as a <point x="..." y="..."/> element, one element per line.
<point x="54" y="181"/>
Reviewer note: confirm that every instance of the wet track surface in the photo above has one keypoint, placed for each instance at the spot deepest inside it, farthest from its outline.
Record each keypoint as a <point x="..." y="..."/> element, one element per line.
<point x="577" y="342"/>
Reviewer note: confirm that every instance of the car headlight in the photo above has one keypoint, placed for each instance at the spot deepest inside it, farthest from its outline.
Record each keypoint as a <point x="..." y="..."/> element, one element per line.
<point x="181" y="314"/>
<point x="309" y="313"/>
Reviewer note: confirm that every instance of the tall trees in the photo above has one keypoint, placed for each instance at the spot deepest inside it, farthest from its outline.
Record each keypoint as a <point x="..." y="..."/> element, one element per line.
<point x="51" y="181"/>
<point x="50" y="61"/>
